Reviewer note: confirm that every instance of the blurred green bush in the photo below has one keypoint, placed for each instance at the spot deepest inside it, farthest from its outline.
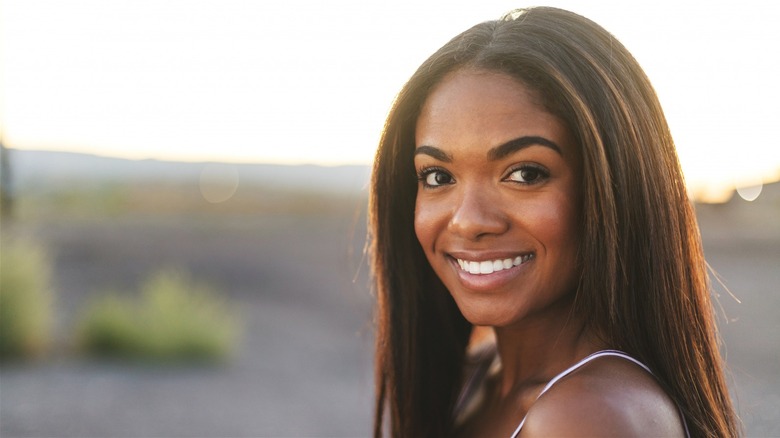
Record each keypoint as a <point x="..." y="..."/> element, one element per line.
<point x="175" y="318"/>
<point x="25" y="299"/>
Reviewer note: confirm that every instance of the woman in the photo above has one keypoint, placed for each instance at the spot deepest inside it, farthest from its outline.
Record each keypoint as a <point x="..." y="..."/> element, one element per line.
<point x="526" y="181"/>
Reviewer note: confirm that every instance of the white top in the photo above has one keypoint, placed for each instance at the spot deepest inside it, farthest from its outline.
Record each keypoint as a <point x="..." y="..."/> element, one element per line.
<point x="579" y="364"/>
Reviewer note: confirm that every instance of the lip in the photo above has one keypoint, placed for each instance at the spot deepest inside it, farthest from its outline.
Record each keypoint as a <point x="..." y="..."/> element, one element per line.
<point x="494" y="280"/>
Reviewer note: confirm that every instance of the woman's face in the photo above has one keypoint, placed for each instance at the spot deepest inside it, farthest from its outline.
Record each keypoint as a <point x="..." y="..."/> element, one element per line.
<point x="496" y="209"/>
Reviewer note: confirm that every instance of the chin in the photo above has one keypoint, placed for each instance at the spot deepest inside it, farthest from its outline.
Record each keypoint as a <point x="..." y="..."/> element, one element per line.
<point x="486" y="314"/>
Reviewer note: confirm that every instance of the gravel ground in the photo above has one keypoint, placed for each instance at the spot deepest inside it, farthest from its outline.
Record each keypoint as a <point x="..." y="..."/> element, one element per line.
<point x="304" y="368"/>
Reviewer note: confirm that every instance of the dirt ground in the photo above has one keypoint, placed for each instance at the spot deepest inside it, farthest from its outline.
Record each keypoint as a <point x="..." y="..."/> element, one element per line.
<point x="300" y="286"/>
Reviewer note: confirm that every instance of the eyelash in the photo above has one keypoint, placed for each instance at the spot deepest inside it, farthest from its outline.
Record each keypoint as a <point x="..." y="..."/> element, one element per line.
<point x="543" y="174"/>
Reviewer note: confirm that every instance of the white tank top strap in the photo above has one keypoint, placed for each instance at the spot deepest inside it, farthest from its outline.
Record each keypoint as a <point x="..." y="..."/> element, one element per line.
<point x="579" y="364"/>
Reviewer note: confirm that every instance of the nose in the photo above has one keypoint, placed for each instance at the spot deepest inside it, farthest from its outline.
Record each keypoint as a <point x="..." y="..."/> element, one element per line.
<point x="478" y="213"/>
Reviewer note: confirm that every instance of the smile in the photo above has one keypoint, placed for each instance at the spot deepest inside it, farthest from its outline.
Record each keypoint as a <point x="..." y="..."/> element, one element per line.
<point x="491" y="266"/>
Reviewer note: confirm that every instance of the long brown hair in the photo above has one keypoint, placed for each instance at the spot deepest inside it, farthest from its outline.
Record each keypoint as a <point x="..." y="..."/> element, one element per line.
<point x="643" y="284"/>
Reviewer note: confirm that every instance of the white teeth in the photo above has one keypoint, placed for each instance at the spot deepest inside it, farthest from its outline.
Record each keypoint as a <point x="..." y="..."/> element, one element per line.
<point x="491" y="266"/>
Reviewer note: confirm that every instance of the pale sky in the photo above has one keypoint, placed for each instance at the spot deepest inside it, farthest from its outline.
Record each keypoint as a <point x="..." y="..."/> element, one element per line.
<point x="311" y="81"/>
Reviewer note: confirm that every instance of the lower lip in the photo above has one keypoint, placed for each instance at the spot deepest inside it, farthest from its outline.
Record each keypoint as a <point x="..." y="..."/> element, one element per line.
<point x="488" y="282"/>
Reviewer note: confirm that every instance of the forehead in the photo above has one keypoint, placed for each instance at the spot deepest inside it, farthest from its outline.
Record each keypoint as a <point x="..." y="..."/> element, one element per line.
<point x="484" y="108"/>
<point x="478" y="85"/>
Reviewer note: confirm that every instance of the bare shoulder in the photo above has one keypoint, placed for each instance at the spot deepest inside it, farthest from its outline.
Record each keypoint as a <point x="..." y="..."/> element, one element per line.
<point x="609" y="396"/>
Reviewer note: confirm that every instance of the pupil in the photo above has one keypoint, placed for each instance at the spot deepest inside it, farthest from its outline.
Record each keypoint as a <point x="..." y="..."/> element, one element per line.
<point x="528" y="174"/>
<point x="441" y="178"/>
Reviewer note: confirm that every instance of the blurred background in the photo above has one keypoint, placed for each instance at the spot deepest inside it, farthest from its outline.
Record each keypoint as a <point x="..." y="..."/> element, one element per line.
<point x="184" y="201"/>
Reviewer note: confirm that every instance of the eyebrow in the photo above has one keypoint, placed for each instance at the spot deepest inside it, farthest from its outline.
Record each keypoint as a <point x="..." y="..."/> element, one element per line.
<point x="496" y="153"/>
<point x="515" y="145"/>
<point x="434" y="152"/>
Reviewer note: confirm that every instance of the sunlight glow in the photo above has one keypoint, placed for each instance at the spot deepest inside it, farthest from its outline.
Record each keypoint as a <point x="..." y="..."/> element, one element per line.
<point x="311" y="82"/>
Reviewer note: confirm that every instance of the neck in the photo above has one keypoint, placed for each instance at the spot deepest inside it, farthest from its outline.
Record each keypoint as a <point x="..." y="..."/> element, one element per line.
<point x="534" y="351"/>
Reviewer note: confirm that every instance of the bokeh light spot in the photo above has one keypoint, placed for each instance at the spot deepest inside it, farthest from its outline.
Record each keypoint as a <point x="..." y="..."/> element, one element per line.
<point x="218" y="182"/>
<point x="750" y="193"/>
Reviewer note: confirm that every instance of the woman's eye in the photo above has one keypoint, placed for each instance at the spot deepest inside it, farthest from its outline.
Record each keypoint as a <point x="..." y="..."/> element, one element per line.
<point x="435" y="178"/>
<point x="527" y="175"/>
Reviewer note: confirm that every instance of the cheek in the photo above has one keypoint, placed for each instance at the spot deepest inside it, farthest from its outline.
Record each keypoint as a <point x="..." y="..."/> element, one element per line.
<point x="563" y="232"/>
<point x="422" y="224"/>
<point x="553" y="222"/>
<point x="427" y="223"/>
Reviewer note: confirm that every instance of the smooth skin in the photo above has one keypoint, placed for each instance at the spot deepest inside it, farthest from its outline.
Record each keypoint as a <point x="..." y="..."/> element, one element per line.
<point x="498" y="181"/>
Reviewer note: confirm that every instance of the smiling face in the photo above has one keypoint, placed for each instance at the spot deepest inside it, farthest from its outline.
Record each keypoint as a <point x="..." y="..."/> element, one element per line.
<point x="496" y="209"/>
